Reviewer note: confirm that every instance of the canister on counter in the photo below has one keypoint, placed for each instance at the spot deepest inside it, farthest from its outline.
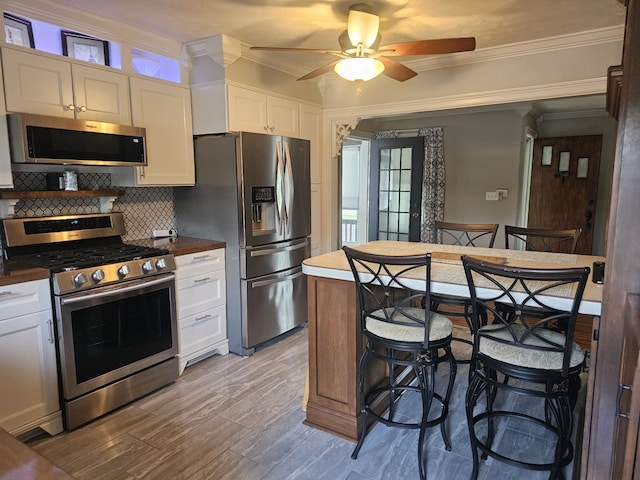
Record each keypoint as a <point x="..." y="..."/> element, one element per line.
<point x="70" y="180"/>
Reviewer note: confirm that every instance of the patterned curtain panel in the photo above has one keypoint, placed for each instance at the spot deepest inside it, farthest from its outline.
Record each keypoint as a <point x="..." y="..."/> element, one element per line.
<point x="433" y="180"/>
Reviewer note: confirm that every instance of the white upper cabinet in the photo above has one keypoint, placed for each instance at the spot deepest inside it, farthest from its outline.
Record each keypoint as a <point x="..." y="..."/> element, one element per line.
<point x="165" y="111"/>
<point x="252" y="111"/>
<point x="40" y="84"/>
<point x="311" y="129"/>
<point x="6" y="178"/>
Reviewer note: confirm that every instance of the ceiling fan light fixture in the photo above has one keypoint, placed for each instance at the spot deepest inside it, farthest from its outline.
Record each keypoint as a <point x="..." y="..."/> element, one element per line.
<point x="360" y="68"/>
<point x="362" y="27"/>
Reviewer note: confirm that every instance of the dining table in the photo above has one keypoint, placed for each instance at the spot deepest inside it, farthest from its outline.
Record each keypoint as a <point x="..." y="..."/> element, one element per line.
<point x="335" y="340"/>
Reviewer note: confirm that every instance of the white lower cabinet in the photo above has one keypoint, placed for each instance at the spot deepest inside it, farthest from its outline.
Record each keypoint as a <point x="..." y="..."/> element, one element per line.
<point x="28" y="372"/>
<point x="201" y="298"/>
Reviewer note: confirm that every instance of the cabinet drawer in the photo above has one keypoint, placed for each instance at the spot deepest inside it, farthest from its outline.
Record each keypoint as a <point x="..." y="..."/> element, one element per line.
<point x="24" y="298"/>
<point x="202" y="330"/>
<point x="208" y="260"/>
<point x="201" y="292"/>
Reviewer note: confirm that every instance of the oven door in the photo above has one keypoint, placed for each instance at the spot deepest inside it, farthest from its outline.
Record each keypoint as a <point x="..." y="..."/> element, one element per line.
<point x="109" y="333"/>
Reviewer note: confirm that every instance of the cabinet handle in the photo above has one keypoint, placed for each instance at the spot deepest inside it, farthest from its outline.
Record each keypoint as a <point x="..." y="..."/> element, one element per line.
<point x="66" y="108"/>
<point x="201" y="257"/>
<point x="271" y="129"/>
<point x="266" y="128"/>
<point x="50" y="324"/>
<point x="197" y="319"/>
<point x="81" y="109"/>
<point x="199" y="280"/>
<point x="621" y="388"/>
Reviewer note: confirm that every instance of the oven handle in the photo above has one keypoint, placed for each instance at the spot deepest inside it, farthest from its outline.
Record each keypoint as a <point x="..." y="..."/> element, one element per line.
<point x="115" y="291"/>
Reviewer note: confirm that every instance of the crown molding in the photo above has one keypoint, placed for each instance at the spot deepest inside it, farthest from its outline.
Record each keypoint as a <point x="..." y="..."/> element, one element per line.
<point x="474" y="99"/>
<point x="222" y="49"/>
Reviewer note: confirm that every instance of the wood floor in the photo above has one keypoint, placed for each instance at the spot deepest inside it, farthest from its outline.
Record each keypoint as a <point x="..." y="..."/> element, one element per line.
<point x="240" y="418"/>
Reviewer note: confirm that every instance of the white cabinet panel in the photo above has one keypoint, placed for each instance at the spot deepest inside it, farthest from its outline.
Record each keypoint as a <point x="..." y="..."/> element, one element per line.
<point x="252" y="111"/>
<point x="6" y="178"/>
<point x="201" y="298"/>
<point x="282" y="117"/>
<point x="38" y="84"/>
<point x="28" y="372"/>
<point x="165" y="111"/>
<point x="104" y="95"/>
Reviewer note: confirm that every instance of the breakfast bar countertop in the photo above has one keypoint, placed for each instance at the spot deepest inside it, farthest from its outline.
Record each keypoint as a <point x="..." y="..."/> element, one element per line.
<point x="447" y="273"/>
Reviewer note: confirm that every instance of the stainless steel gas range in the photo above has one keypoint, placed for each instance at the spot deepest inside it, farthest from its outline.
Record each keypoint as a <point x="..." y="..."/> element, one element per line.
<point x="114" y="304"/>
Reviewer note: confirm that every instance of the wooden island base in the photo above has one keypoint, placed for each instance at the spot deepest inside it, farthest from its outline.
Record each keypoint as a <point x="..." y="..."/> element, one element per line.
<point x="335" y="347"/>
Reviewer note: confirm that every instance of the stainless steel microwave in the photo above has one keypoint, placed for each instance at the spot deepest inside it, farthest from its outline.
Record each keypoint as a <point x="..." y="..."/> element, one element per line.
<point x="65" y="141"/>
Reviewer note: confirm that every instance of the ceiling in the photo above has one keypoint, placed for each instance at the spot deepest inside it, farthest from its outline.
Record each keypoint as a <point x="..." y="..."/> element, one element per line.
<point x="317" y="23"/>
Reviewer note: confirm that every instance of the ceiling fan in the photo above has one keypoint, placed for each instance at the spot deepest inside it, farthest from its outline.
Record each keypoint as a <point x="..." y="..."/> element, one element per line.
<point x="361" y="56"/>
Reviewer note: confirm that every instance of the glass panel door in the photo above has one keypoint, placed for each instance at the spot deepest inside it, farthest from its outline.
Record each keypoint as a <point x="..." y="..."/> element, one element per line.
<point x="396" y="191"/>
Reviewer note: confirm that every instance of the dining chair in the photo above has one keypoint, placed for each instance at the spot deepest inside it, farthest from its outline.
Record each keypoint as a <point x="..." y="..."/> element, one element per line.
<point x="408" y="338"/>
<point x="467" y="235"/>
<point x="542" y="240"/>
<point x="539" y="363"/>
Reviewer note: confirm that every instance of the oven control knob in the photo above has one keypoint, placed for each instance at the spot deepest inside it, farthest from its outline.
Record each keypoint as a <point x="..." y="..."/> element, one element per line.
<point x="79" y="279"/>
<point x="97" y="275"/>
<point x="160" y="264"/>
<point x="147" y="266"/>
<point x="123" y="271"/>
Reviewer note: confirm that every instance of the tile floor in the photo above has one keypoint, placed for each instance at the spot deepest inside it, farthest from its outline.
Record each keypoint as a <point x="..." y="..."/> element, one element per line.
<point x="240" y="418"/>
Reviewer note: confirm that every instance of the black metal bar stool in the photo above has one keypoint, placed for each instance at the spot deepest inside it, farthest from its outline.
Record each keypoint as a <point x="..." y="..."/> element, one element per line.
<point x="517" y="353"/>
<point x="467" y="235"/>
<point x="404" y="335"/>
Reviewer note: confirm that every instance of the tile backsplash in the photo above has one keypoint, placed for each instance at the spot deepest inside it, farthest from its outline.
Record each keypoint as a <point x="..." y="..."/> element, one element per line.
<point x="144" y="208"/>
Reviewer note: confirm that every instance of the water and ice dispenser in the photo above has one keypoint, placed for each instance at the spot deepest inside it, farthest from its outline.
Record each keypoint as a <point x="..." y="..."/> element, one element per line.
<point x="263" y="209"/>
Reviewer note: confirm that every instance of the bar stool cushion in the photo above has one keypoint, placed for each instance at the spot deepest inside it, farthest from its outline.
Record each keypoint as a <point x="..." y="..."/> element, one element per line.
<point x="527" y="357"/>
<point x="407" y="329"/>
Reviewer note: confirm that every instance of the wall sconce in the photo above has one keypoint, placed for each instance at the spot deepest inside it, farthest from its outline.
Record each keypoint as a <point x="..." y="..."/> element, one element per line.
<point x="563" y="166"/>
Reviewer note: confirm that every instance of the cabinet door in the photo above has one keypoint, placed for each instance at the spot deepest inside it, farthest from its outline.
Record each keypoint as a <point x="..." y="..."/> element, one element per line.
<point x="28" y="374"/>
<point x="37" y="84"/>
<point x="165" y="111"/>
<point x="101" y="95"/>
<point x="6" y="178"/>
<point x="283" y="117"/>
<point x="247" y="110"/>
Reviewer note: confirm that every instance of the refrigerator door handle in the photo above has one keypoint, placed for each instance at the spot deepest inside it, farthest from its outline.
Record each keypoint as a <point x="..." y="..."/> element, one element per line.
<point x="280" y="213"/>
<point x="271" y="251"/>
<point x="288" y="190"/>
<point x="263" y="283"/>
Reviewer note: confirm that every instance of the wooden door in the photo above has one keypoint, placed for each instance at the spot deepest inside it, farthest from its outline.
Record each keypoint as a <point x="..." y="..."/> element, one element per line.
<point x="603" y="450"/>
<point x="564" y="185"/>
<point x="395" y="188"/>
<point x="629" y="395"/>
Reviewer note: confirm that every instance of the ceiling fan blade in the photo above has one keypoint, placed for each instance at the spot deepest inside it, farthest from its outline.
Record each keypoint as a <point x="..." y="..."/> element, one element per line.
<point x="430" y="47"/>
<point x="395" y="70"/>
<point x="319" y="71"/>
<point x="293" y="49"/>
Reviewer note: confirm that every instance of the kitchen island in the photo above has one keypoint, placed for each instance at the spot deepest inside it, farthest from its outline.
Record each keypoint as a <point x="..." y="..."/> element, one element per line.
<point x="335" y="343"/>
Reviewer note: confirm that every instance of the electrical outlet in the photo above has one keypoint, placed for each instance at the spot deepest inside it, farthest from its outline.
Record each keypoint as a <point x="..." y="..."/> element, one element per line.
<point x="492" y="196"/>
<point x="163" y="233"/>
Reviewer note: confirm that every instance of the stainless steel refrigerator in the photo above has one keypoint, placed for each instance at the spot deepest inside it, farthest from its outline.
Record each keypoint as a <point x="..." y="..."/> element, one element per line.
<point x="253" y="192"/>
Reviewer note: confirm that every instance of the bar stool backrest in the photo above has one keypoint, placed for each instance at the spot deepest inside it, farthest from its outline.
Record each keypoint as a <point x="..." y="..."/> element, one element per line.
<point x="516" y="294"/>
<point x="466" y="234"/>
<point x="543" y="240"/>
